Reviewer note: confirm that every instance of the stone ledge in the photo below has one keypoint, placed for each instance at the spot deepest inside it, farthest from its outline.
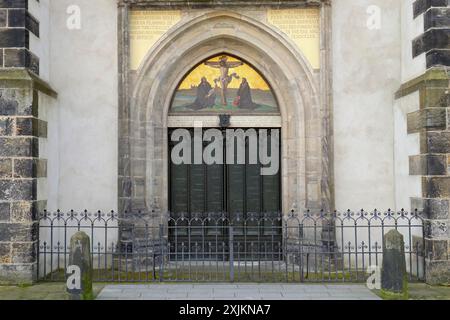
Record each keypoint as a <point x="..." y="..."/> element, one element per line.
<point x="22" y="78"/>
<point x="435" y="77"/>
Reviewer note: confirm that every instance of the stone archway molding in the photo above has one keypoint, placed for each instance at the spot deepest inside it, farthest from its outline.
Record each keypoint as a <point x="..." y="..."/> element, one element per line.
<point x="144" y="154"/>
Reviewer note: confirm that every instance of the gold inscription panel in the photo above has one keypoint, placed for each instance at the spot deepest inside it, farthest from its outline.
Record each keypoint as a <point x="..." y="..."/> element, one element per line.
<point x="302" y="26"/>
<point x="146" y="28"/>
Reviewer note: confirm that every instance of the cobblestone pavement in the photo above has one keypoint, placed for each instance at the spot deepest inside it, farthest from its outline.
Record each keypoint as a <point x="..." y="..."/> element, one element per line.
<point x="236" y="292"/>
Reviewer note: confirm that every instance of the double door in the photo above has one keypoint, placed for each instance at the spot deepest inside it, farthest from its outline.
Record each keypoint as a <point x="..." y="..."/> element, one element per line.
<point x="248" y="200"/>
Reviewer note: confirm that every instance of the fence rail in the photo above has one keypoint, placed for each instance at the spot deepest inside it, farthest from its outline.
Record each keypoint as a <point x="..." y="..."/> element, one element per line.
<point x="309" y="247"/>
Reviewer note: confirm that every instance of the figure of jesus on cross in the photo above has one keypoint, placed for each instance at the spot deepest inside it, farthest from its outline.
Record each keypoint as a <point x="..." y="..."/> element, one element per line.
<point x="224" y="78"/>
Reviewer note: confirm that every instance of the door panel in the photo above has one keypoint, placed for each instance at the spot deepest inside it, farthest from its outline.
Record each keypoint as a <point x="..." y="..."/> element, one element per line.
<point x="214" y="182"/>
<point x="179" y="180"/>
<point x="238" y="190"/>
<point x="231" y="188"/>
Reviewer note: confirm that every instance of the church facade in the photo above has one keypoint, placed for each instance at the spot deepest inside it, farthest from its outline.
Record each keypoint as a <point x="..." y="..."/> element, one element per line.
<point x="94" y="96"/>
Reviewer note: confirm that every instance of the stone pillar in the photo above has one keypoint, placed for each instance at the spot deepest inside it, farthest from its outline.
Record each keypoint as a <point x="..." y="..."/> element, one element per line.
<point x="20" y="130"/>
<point x="80" y="258"/>
<point x="394" y="281"/>
<point x="432" y="123"/>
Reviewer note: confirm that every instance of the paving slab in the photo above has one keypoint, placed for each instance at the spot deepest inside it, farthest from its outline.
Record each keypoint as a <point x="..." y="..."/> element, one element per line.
<point x="232" y="291"/>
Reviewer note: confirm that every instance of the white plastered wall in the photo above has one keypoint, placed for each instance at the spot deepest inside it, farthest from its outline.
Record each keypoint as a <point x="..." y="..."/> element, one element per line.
<point x="366" y="74"/>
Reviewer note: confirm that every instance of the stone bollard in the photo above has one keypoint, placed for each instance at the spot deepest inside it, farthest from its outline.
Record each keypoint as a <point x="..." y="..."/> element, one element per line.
<point x="79" y="271"/>
<point x="394" y="283"/>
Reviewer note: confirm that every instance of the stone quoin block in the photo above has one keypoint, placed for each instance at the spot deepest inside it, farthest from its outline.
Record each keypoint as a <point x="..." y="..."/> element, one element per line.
<point x="32" y="24"/>
<point x="18" y="189"/>
<point x="31" y="126"/>
<point x="20" y="57"/>
<point x="448" y="116"/>
<point x="5" y="252"/>
<point x="428" y="119"/>
<point x="420" y="6"/>
<point x="3" y="18"/>
<point x="14" y="4"/>
<point x="19" y="147"/>
<point x="8" y="106"/>
<point x="24" y="211"/>
<point x="436" y="187"/>
<point x="24" y="252"/>
<point x="24" y="168"/>
<point x="437" y="229"/>
<point x="432" y="208"/>
<point x="437" y="272"/>
<point x="438" y="58"/>
<point x="5" y="168"/>
<point x="13" y="274"/>
<point x="17" y="102"/>
<point x="435" y="142"/>
<point x="437" y="18"/>
<point x="436" y="249"/>
<point x="14" y="38"/>
<point x="18" y="232"/>
<point x="24" y="126"/>
<point x="428" y="165"/>
<point x="431" y="96"/>
<point x="16" y="18"/>
<point x="30" y="168"/>
<point x="431" y="39"/>
<point x="4" y="211"/>
<point x="6" y="126"/>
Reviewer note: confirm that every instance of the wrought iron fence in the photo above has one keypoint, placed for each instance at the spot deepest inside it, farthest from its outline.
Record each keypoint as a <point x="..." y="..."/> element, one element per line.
<point x="309" y="247"/>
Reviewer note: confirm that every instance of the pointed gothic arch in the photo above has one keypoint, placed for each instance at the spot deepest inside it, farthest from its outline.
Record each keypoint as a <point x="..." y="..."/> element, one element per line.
<point x="144" y="151"/>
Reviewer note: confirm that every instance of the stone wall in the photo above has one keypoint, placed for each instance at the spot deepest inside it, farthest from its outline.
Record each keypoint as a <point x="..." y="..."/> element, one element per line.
<point x="435" y="40"/>
<point x="20" y="131"/>
<point x="431" y="123"/>
<point x="16" y="24"/>
<point x="366" y="73"/>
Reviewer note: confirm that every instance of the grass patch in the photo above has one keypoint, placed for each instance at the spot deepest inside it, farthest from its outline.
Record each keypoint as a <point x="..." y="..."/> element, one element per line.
<point x="419" y="291"/>
<point x="40" y="291"/>
<point x="205" y="274"/>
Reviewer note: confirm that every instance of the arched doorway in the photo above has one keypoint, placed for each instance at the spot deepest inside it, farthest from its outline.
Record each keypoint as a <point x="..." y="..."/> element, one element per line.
<point x="224" y="160"/>
<point x="144" y="150"/>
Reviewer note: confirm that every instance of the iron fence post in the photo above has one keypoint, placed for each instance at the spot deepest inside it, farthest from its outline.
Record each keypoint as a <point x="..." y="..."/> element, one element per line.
<point x="38" y="251"/>
<point x="161" y="249"/>
<point x="231" y="252"/>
